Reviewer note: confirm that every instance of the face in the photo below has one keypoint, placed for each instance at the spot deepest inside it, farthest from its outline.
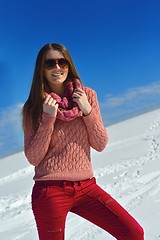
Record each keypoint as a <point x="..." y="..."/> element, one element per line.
<point x="55" y="75"/>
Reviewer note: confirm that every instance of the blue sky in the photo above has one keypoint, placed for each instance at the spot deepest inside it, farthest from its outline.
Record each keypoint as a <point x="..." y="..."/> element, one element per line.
<point x="115" y="46"/>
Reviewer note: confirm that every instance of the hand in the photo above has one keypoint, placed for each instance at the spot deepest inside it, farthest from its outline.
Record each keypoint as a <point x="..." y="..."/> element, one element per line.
<point x="50" y="106"/>
<point x="80" y="97"/>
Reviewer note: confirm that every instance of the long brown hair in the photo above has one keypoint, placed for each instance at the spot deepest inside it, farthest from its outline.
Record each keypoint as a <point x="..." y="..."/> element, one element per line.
<point x="32" y="108"/>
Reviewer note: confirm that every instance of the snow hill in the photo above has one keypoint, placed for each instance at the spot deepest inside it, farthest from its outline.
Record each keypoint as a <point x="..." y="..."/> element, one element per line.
<point x="129" y="169"/>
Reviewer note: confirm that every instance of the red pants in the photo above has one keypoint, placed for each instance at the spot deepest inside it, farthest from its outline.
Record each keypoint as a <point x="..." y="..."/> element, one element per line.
<point x="52" y="200"/>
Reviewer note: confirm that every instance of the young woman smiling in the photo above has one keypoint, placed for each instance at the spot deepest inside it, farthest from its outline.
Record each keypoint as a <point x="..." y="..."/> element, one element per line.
<point x="62" y="121"/>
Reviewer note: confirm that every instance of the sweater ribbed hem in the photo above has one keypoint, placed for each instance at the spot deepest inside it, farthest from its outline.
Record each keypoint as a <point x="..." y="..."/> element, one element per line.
<point x="68" y="176"/>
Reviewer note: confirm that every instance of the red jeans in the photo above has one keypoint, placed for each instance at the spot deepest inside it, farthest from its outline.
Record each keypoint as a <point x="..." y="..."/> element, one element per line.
<point x="52" y="200"/>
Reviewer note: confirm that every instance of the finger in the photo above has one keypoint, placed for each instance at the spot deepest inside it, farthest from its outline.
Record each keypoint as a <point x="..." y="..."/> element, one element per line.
<point x="47" y="99"/>
<point x="45" y="95"/>
<point x="75" y="100"/>
<point x="54" y="101"/>
<point x="50" y="101"/>
<point x="76" y="95"/>
<point x="56" y="105"/>
<point x="79" y="90"/>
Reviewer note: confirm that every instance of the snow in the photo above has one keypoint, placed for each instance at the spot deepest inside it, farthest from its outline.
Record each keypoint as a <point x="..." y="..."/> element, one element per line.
<point x="128" y="168"/>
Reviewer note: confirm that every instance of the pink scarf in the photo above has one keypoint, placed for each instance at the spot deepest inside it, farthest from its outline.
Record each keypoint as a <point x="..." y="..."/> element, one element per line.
<point x="68" y="110"/>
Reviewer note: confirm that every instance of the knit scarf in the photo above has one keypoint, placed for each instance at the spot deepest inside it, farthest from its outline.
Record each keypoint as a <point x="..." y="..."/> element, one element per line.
<point x="67" y="109"/>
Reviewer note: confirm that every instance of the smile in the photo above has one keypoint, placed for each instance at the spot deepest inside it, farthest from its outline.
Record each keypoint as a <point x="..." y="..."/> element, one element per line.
<point x="57" y="74"/>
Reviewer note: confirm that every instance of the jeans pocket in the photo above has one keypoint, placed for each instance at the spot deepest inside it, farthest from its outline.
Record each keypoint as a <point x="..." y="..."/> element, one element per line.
<point x="98" y="194"/>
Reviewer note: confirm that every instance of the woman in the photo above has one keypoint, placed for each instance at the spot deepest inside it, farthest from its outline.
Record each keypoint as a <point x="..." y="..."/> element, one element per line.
<point x="62" y="121"/>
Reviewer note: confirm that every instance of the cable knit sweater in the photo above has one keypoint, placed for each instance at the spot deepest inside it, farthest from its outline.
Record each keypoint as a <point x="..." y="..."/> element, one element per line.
<point x="60" y="150"/>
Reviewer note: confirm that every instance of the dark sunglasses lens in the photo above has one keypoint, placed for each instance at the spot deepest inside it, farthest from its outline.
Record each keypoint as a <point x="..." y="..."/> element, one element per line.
<point x="50" y="63"/>
<point x="62" y="62"/>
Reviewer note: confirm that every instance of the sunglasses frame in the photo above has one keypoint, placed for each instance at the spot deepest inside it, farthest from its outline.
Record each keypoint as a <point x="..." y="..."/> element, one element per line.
<point x="51" y="63"/>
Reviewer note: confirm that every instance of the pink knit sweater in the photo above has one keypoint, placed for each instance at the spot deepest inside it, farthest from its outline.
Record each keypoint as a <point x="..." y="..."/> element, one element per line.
<point x="60" y="150"/>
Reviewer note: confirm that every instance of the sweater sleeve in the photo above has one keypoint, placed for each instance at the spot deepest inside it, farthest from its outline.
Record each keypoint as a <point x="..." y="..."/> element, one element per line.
<point x="36" y="144"/>
<point x="97" y="133"/>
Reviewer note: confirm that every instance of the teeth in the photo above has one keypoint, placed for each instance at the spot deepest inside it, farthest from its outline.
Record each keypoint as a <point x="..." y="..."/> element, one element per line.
<point x="56" y="74"/>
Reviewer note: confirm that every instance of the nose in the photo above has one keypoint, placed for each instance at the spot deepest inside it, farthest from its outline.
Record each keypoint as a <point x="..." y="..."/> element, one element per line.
<point x="57" y="66"/>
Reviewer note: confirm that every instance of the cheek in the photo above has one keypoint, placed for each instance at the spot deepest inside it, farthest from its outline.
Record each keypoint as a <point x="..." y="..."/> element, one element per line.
<point x="66" y="73"/>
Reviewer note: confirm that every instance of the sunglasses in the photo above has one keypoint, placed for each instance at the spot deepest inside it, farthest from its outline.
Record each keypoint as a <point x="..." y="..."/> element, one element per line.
<point x="51" y="63"/>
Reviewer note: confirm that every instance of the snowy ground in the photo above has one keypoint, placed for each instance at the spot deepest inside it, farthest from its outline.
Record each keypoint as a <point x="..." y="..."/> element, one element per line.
<point x="129" y="169"/>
